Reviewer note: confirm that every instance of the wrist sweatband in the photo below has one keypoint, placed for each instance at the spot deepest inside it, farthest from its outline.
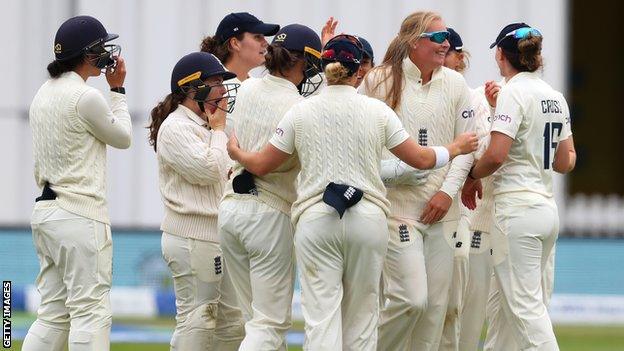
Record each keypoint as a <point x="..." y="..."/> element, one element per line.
<point x="442" y="156"/>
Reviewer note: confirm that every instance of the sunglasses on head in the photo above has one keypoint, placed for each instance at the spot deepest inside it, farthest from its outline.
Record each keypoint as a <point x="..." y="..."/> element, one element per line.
<point x="437" y="37"/>
<point x="521" y="33"/>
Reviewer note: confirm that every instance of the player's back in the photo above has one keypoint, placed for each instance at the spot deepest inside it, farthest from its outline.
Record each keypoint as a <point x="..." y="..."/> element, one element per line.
<point x="537" y="117"/>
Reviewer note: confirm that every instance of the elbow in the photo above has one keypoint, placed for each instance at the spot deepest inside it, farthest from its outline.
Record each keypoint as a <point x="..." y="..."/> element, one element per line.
<point x="497" y="161"/>
<point x="122" y="143"/>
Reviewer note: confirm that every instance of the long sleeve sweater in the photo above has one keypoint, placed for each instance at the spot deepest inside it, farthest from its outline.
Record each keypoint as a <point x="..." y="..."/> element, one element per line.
<point x="434" y="114"/>
<point x="192" y="167"/>
<point x="71" y="125"/>
<point x="260" y="105"/>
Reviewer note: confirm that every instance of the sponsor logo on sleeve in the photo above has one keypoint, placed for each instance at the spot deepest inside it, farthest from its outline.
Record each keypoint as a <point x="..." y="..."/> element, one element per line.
<point x="502" y="118"/>
<point x="279" y="131"/>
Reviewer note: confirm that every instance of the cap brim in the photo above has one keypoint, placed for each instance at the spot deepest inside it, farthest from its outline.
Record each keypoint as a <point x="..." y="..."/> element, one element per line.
<point x="228" y="75"/>
<point x="266" y="29"/>
<point x="111" y="36"/>
<point x="493" y="45"/>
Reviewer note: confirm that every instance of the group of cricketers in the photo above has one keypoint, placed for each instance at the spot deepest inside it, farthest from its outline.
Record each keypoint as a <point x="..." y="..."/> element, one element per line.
<point x="416" y="210"/>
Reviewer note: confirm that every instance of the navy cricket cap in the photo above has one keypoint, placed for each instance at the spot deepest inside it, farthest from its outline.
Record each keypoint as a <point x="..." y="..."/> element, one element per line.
<point x="346" y="49"/>
<point x="508" y="42"/>
<point x="341" y="196"/>
<point x="78" y="34"/>
<point x="197" y="66"/>
<point x="367" y="48"/>
<point x="455" y="40"/>
<point x="298" y="37"/>
<point x="241" y="22"/>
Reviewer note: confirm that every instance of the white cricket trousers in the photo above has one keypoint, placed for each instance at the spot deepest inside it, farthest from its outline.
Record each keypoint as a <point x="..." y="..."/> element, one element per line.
<point x="476" y="295"/>
<point x="526" y="229"/>
<point x="459" y="284"/>
<point x="257" y="242"/>
<point x="75" y="255"/>
<point x="340" y="261"/>
<point x="498" y="330"/>
<point x="207" y="315"/>
<point x="416" y="282"/>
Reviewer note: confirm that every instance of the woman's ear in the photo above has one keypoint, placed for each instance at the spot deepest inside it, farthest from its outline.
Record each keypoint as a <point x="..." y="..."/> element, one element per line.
<point x="234" y="44"/>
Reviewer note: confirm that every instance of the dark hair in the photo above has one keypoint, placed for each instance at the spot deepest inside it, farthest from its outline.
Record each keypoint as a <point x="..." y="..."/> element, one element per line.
<point x="161" y="112"/>
<point x="217" y="48"/>
<point x="279" y="59"/>
<point x="56" y="68"/>
<point x="529" y="55"/>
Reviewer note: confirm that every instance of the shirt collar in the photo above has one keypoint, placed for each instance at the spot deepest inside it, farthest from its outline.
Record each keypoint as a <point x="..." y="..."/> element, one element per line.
<point x="282" y="82"/>
<point x="523" y="75"/>
<point x="73" y="76"/>
<point x="192" y="116"/>
<point x="339" y="88"/>
<point x="413" y="72"/>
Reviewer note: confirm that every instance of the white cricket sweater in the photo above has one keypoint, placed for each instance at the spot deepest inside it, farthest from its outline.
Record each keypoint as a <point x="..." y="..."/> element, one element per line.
<point x="339" y="136"/>
<point x="260" y="105"/>
<point x="71" y="125"/>
<point x="433" y="114"/>
<point x="192" y="166"/>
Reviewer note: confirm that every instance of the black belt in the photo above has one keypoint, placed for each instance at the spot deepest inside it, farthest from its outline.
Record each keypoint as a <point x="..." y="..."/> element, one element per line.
<point x="244" y="183"/>
<point x="341" y="196"/>
<point x="46" y="194"/>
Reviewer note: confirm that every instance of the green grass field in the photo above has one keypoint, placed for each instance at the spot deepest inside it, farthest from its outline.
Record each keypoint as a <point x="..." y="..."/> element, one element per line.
<point x="571" y="338"/>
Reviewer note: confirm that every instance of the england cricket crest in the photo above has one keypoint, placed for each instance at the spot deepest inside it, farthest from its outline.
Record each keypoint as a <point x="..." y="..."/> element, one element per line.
<point x="218" y="265"/>
<point x="403" y="233"/>
<point x="422" y="136"/>
<point x="475" y="243"/>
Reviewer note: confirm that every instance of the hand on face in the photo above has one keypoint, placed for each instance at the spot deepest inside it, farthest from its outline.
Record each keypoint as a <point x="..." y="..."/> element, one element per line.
<point x="116" y="77"/>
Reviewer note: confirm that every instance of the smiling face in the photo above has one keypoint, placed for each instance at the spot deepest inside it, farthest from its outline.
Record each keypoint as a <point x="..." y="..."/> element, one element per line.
<point x="251" y="49"/>
<point x="428" y="54"/>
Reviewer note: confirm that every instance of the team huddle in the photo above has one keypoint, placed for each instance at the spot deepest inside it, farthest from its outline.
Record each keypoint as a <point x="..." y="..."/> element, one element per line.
<point x="416" y="210"/>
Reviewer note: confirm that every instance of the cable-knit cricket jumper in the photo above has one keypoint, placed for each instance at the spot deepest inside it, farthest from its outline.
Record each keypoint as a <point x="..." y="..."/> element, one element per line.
<point x="71" y="125"/>
<point x="433" y="114"/>
<point x="193" y="164"/>
<point x="260" y="105"/>
<point x="339" y="136"/>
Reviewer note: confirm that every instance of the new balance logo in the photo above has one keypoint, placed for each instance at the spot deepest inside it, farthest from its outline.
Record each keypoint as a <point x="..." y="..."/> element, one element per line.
<point x="475" y="243"/>
<point x="217" y="265"/>
<point x="422" y="136"/>
<point x="403" y="233"/>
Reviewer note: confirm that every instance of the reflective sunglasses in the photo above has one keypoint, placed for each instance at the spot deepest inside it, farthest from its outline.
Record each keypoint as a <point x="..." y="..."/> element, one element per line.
<point x="521" y="33"/>
<point x="437" y="37"/>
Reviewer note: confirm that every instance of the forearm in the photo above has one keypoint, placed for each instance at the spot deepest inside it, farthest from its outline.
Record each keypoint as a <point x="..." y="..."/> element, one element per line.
<point x="485" y="166"/>
<point x="457" y="174"/>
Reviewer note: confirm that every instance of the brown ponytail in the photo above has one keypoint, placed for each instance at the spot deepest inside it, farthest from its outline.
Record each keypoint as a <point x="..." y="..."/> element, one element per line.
<point x="279" y="59"/>
<point x="220" y="50"/>
<point x="161" y="112"/>
<point x="529" y="56"/>
<point x="56" y="68"/>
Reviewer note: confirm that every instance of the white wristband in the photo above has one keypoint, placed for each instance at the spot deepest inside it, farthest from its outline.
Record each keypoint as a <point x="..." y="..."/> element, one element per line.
<point x="442" y="156"/>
